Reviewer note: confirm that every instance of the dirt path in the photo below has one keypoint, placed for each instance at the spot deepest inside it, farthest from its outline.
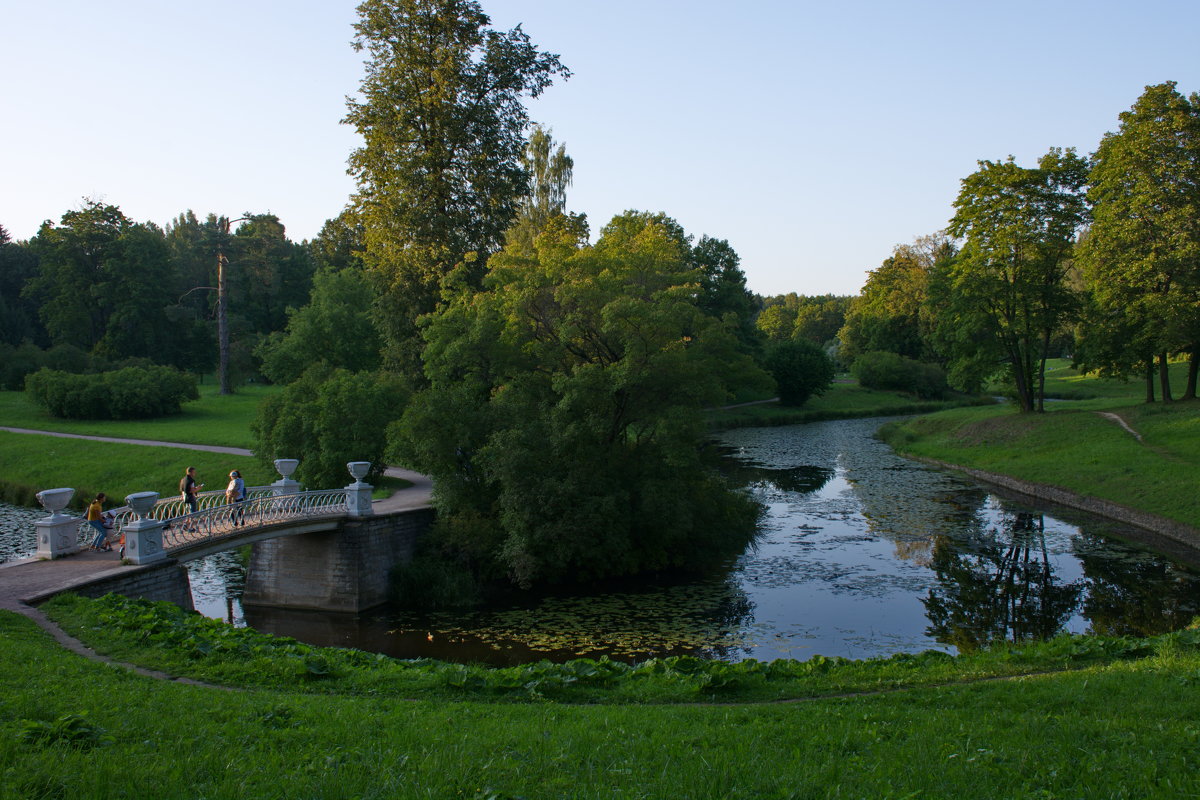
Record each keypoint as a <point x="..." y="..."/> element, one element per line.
<point x="1117" y="418"/>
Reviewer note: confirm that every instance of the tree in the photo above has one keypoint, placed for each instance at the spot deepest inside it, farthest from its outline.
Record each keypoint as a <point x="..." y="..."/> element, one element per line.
<point x="800" y="368"/>
<point x="439" y="175"/>
<point x="104" y="284"/>
<point x="723" y="288"/>
<point x="335" y="327"/>
<point x="564" y="414"/>
<point x="892" y="314"/>
<point x="550" y="172"/>
<point x="18" y="315"/>
<point x="328" y="418"/>
<point x="1008" y="282"/>
<point x="1141" y="256"/>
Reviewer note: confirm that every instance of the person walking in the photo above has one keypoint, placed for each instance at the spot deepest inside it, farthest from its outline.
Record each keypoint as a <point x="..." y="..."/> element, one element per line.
<point x="95" y="518"/>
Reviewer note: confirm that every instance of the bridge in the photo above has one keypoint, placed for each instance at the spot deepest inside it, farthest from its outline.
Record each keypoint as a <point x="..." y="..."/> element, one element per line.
<point x="328" y="548"/>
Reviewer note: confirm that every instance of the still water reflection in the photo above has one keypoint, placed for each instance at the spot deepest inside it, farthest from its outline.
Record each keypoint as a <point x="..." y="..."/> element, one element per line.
<point x="862" y="553"/>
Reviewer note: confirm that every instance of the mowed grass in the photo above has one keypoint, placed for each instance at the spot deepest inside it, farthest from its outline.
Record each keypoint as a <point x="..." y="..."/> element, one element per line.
<point x="214" y="419"/>
<point x="74" y="728"/>
<point x="1074" y="446"/>
<point x="30" y="463"/>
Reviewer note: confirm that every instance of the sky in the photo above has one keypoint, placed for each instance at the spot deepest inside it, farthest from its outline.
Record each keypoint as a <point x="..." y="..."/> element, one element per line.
<point x="813" y="136"/>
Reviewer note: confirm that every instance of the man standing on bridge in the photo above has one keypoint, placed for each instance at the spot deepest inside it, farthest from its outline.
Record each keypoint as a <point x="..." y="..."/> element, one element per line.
<point x="189" y="490"/>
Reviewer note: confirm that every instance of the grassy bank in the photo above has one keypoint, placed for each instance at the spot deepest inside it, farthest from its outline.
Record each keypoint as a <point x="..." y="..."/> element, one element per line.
<point x="30" y="463"/>
<point x="845" y="400"/>
<point x="1120" y="726"/>
<point x="1074" y="446"/>
<point x="214" y="419"/>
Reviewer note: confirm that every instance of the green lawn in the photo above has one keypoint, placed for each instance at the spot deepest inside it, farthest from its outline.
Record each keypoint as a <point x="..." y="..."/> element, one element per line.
<point x="1073" y="446"/>
<point x="1123" y="728"/>
<point x="213" y="419"/>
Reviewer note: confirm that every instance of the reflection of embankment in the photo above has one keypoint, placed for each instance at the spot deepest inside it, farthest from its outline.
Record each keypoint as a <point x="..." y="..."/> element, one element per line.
<point x="907" y="503"/>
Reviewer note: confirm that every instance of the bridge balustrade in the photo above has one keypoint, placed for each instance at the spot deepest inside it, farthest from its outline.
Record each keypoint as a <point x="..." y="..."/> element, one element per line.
<point x="232" y="518"/>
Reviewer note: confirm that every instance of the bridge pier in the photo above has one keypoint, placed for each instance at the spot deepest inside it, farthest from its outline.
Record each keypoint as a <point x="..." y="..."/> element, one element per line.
<point x="337" y="570"/>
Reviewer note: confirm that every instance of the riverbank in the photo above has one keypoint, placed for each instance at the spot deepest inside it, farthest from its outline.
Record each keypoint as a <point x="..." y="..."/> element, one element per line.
<point x="77" y="728"/>
<point x="842" y="400"/>
<point x="1134" y="463"/>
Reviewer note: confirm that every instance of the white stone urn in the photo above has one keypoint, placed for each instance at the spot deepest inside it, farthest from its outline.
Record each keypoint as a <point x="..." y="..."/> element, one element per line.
<point x="141" y="503"/>
<point x="358" y="470"/>
<point x="286" y="466"/>
<point x="55" y="500"/>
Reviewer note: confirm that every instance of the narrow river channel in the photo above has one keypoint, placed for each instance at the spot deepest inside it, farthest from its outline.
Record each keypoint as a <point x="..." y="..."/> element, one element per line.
<point x="861" y="554"/>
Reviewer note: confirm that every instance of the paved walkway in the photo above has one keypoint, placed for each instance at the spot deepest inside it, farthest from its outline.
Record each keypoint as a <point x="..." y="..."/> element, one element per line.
<point x="31" y="579"/>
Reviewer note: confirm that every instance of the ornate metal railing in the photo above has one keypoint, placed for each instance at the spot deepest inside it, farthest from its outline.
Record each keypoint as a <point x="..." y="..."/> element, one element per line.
<point x="219" y="521"/>
<point x="165" y="509"/>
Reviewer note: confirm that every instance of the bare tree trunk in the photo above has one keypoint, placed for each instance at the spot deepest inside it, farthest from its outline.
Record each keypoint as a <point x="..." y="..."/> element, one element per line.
<point x="1150" y="380"/>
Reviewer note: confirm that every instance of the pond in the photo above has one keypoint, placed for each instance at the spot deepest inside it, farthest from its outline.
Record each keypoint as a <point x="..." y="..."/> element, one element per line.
<point x="861" y="554"/>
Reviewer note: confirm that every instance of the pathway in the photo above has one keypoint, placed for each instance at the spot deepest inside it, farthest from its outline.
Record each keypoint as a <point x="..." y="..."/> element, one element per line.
<point x="1117" y="418"/>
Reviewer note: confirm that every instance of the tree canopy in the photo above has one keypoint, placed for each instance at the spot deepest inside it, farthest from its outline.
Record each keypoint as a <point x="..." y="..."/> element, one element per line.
<point x="440" y="174"/>
<point x="564" y="409"/>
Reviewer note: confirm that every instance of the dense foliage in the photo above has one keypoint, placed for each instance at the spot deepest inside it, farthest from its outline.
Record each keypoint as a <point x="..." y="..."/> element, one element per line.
<point x="880" y="369"/>
<point x="130" y="393"/>
<point x="564" y="414"/>
<point x="800" y="368"/>
<point x="440" y="174"/>
<point x="327" y="418"/>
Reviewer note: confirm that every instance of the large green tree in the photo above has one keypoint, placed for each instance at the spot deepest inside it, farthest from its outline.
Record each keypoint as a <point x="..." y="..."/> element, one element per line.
<point x="440" y="174"/>
<point x="1007" y="290"/>
<point x="1141" y="256"/>
<point x="563" y="421"/>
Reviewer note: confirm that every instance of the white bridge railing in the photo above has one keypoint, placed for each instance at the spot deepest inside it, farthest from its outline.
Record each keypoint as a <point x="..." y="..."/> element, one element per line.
<point x="158" y="526"/>
<point x="216" y="522"/>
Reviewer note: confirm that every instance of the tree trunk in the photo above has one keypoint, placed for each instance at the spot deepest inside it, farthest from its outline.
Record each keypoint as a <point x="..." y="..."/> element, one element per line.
<point x="1193" y="368"/>
<point x="1150" y="380"/>
<point x="1164" y="377"/>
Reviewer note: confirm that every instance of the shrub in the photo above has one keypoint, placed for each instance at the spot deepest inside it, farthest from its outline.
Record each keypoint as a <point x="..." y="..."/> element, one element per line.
<point x="130" y="393"/>
<point x="889" y="371"/>
<point x="801" y="370"/>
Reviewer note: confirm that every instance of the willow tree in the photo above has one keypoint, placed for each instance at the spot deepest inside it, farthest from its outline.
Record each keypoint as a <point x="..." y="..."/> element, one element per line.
<point x="1008" y="284"/>
<point x="443" y="123"/>
<point x="1142" y="253"/>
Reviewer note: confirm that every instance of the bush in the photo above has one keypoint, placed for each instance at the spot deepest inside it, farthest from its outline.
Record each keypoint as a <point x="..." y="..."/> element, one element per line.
<point x="889" y="371"/>
<point x="130" y="393"/>
<point x="801" y="370"/>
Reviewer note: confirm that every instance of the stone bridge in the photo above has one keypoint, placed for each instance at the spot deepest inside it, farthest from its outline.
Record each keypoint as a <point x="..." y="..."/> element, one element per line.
<point x="325" y="549"/>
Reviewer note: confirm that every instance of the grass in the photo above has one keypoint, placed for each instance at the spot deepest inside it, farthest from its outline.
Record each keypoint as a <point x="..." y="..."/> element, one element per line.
<point x="844" y="400"/>
<point x="214" y="419"/>
<point x="1120" y="726"/>
<point x="1074" y="447"/>
<point x="30" y="463"/>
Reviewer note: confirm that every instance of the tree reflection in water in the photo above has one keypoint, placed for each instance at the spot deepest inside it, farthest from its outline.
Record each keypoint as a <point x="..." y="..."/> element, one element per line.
<point x="998" y="586"/>
<point x="1135" y="595"/>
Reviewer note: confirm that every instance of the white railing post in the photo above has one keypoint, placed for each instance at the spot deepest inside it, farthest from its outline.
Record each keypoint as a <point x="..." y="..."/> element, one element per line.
<point x="143" y="536"/>
<point x="57" y="534"/>
<point x="358" y="494"/>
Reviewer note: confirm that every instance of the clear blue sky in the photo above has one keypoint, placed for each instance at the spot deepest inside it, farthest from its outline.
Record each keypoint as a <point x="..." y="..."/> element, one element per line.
<point x="813" y="136"/>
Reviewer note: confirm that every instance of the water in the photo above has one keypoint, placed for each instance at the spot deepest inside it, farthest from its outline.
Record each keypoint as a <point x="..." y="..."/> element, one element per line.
<point x="862" y="554"/>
